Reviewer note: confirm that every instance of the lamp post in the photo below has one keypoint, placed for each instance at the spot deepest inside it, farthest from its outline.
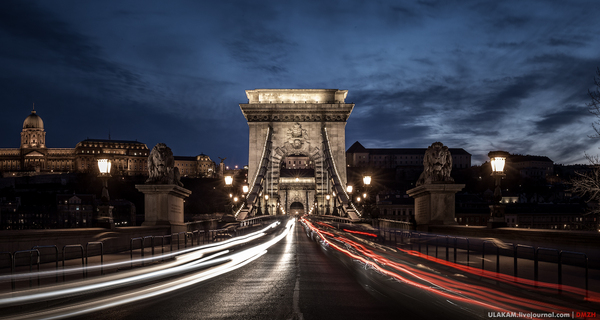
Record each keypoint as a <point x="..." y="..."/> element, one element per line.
<point x="258" y="211"/>
<point x="367" y="184"/>
<point x="267" y="204"/>
<point x="349" y="191"/>
<point x="228" y="186"/>
<point x="104" y="217"/>
<point x="497" y="161"/>
<point x="335" y="209"/>
<point x="235" y="200"/>
<point x="327" y="212"/>
<point x="228" y="181"/>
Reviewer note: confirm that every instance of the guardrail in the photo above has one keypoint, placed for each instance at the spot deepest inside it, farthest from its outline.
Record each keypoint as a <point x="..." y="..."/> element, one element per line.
<point x="82" y="257"/>
<point x="87" y="252"/>
<point x="516" y="250"/>
<point x="332" y="218"/>
<point x="387" y="233"/>
<point x="190" y="238"/>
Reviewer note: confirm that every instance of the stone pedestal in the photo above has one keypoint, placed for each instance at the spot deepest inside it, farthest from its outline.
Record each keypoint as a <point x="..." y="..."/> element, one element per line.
<point x="434" y="204"/>
<point x="164" y="205"/>
<point x="104" y="217"/>
<point x="497" y="219"/>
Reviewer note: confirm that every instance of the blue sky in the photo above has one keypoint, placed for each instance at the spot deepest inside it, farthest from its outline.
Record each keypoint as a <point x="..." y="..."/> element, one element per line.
<point x="509" y="75"/>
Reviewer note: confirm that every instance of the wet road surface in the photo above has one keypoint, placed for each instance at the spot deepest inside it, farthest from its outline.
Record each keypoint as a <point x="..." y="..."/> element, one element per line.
<point x="294" y="280"/>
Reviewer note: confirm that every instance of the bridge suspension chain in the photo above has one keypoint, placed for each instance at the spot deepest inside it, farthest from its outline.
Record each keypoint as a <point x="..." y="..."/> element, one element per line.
<point x="339" y="187"/>
<point x="259" y="177"/>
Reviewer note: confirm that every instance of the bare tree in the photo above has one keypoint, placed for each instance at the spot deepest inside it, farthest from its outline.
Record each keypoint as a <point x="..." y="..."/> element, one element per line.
<point x="587" y="184"/>
<point x="594" y="105"/>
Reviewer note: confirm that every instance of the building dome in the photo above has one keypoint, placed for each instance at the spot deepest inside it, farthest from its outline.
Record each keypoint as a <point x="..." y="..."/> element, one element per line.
<point x="33" y="121"/>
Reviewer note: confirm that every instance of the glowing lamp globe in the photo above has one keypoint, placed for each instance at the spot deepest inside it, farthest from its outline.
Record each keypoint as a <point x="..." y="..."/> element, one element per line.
<point x="367" y="180"/>
<point x="498" y="160"/>
<point x="104" y="166"/>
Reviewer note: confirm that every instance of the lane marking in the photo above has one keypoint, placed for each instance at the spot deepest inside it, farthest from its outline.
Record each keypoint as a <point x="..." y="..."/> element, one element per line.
<point x="296" y="306"/>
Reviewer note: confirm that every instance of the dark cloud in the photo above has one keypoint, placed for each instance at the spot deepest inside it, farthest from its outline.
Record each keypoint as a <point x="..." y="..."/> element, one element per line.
<point x="25" y="23"/>
<point x="513" y="22"/>
<point x="553" y="121"/>
<point x="507" y="45"/>
<point x="565" y="42"/>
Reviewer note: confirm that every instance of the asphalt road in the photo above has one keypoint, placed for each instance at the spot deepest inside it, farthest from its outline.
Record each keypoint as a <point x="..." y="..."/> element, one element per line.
<point x="296" y="279"/>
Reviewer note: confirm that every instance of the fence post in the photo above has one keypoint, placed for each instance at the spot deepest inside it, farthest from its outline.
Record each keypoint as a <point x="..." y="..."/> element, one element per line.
<point x="30" y="264"/>
<point x="56" y="256"/>
<point x="87" y="253"/>
<point x="131" y="249"/>
<point x="12" y="268"/>
<point x="82" y="258"/>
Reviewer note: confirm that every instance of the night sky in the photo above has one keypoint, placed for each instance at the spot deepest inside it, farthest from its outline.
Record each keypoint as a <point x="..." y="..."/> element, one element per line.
<point x="508" y="75"/>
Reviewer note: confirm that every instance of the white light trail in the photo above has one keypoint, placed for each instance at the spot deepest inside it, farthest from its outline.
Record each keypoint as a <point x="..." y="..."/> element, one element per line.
<point x="190" y="263"/>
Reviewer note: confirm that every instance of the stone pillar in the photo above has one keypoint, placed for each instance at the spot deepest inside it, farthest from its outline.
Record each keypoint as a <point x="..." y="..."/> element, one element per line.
<point x="434" y="204"/>
<point x="103" y="218"/>
<point x="164" y="205"/>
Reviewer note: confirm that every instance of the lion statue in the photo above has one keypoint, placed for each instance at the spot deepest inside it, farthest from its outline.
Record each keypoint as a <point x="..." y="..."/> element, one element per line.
<point x="438" y="164"/>
<point x="161" y="166"/>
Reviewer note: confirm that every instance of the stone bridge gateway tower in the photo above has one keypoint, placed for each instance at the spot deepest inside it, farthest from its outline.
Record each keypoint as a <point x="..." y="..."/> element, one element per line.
<point x="304" y="124"/>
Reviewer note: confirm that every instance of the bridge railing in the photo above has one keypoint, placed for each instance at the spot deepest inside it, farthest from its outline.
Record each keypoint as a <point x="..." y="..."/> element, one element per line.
<point x="26" y="260"/>
<point x="332" y="218"/>
<point x="510" y="258"/>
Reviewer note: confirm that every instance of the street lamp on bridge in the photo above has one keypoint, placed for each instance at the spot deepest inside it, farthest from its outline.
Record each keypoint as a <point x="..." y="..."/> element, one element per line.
<point x="267" y="204"/>
<point x="335" y="209"/>
<point x="349" y="191"/>
<point x="497" y="161"/>
<point x="229" y="186"/>
<point x="104" y="218"/>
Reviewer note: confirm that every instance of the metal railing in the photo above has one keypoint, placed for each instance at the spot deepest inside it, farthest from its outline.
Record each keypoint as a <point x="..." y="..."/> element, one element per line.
<point x="187" y="239"/>
<point x="64" y="250"/>
<point x="517" y="252"/>
<point x="87" y="253"/>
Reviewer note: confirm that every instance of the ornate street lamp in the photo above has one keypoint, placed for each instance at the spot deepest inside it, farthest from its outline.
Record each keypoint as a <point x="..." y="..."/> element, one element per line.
<point x="497" y="161"/>
<point x="258" y="210"/>
<point x="335" y="209"/>
<point x="349" y="191"/>
<point x="367" y="184"/>
<point x="328" y="197"/>
<point x="367" y="180"/>
<point x="267" y="204"/>
<point x="104" y="217"/>
<point x="229" y="185"/>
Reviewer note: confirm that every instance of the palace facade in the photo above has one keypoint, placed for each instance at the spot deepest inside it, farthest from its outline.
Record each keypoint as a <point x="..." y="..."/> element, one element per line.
<point x="128" y="157"/>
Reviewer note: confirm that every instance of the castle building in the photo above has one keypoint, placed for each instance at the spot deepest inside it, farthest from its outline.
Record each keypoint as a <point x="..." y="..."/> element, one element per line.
<point x="127" y="157"/>
<point x="359" y="156"/>
<point x="537" y="167"/>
